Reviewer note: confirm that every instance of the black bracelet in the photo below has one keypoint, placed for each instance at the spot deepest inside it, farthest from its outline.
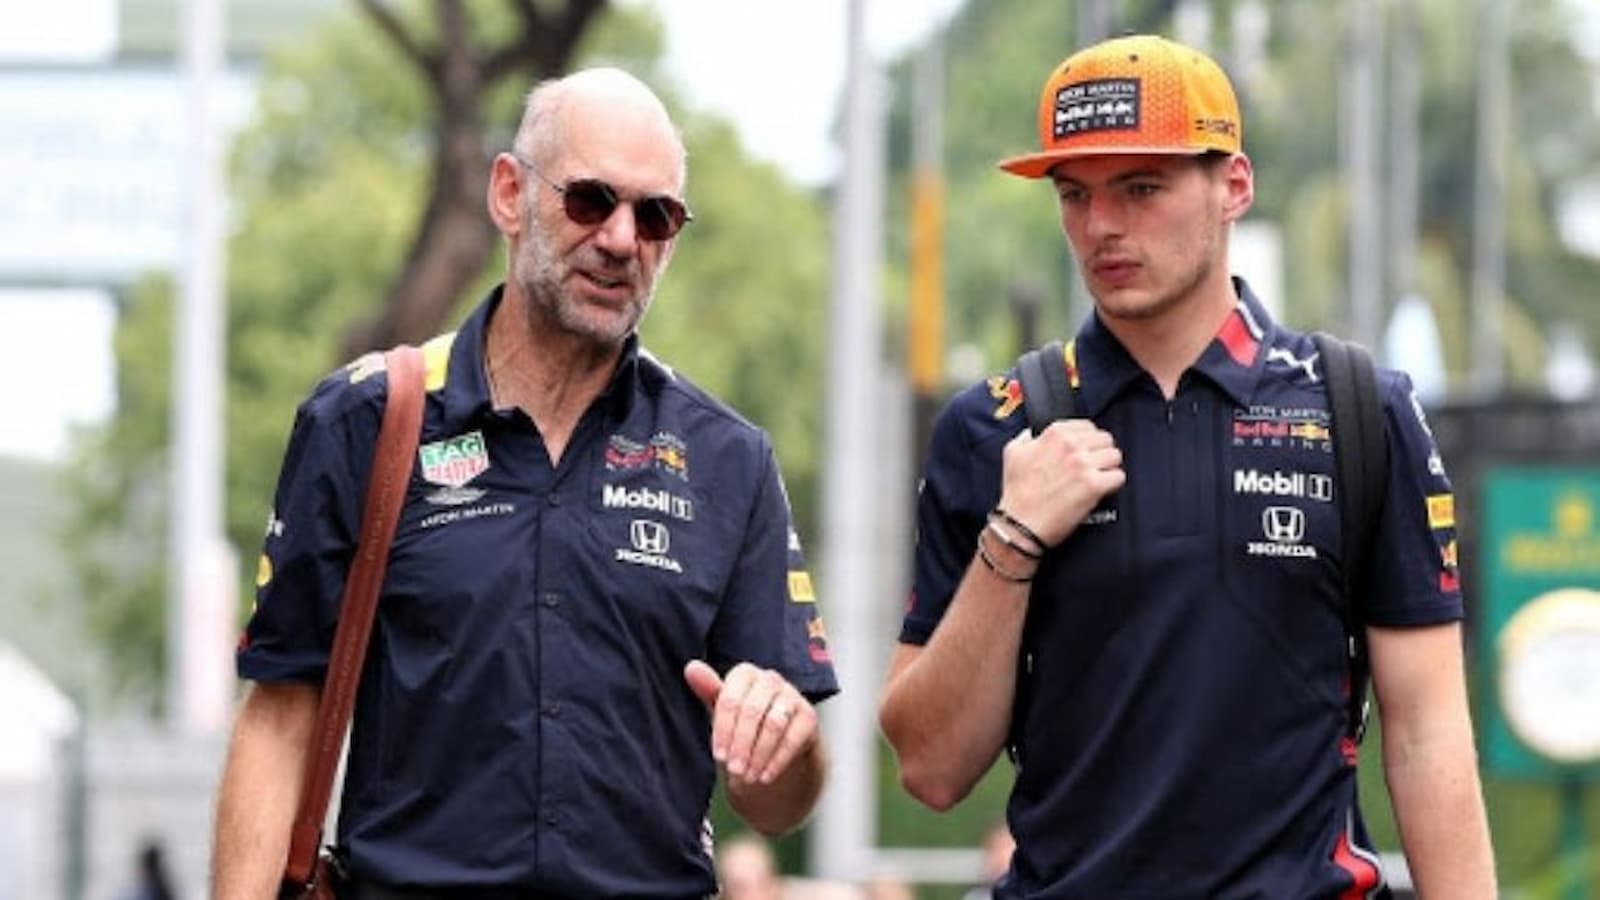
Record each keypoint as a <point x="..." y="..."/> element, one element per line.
<point x="996" y="568"/>
<point x="1009" y="519"/>
<point x="1009" y="541"/>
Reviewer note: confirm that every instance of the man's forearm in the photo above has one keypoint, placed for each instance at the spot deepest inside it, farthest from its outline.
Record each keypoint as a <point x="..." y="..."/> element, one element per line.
<point x="1438" y="804"/>
<point x="785" y="803"/>
<point x="259" y="791"/>
<point x="947" y="706"/>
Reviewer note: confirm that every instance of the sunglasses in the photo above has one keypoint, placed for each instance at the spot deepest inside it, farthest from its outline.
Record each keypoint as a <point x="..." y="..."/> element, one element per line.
<point x="590" y="201"/>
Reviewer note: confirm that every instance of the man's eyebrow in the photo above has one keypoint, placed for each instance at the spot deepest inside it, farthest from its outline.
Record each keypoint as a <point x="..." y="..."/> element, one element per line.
<point x="1143" y="174"/>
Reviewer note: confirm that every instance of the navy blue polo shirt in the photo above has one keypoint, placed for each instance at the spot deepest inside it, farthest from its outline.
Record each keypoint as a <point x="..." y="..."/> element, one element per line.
<point x="1180" y="712"/>
<point x="523" y="720"/>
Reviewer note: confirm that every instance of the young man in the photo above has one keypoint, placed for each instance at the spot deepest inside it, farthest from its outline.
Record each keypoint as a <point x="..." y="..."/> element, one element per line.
<point x="1145" y="602"/>
<point x="595" y="596"/>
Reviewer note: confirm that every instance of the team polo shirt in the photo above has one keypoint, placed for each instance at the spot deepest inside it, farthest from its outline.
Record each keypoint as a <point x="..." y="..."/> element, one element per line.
<point x="523" y="722"/>
<point x="1180" y="709"/>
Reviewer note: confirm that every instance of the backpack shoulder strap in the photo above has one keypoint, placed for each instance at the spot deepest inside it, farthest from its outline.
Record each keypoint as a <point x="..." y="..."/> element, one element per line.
<point x="1046" y="393"/>
<point x="1047" y="396"/>
<point x="1361" y="458"/>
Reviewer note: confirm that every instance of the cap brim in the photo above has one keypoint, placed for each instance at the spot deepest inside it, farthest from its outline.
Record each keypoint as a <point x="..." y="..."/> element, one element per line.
<point x="1038" y="165"/>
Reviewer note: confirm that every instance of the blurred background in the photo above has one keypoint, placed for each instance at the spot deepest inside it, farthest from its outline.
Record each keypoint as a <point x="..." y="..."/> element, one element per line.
<point x="208" y="205"/>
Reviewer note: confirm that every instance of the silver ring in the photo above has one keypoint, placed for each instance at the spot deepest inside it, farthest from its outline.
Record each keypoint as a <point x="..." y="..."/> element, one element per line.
<point x="779" y="711"/>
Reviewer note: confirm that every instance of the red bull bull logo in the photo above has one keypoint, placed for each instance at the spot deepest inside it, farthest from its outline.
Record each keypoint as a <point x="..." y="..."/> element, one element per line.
<point x="1009" y="392"/>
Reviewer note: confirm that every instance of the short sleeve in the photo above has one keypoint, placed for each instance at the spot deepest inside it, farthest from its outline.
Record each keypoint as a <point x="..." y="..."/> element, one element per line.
<point x="769" y="613"/>
<point x="310" y="539"/>
<point x="1414" y="577"/>
<point x="955" y="491"/>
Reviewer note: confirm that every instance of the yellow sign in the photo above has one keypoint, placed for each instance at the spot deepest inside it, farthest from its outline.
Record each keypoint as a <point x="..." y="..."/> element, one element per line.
<point x="1571" y="545"/>
<point x="1574" y="516"/>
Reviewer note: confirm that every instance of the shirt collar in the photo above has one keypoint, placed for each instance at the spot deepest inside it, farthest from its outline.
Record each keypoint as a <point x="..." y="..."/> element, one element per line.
<point x="465" y="392"/>
<point x="1232" y="360"/>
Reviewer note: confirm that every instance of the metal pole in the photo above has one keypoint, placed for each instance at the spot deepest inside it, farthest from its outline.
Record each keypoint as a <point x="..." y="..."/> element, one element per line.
<point x="1488" y="199"/>
<point x="200" y="614"/>
<point x="845" y="833"/>
<point x="1358" y="140"/>
<point x="1094" y="21"/>
<point x="1404" y="143"/>
<point x="1094" y="24"/>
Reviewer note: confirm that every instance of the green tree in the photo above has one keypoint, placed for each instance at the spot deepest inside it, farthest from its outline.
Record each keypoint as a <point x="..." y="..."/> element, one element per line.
<point x="327" y="186"/>
<point x="464" y="61"/>
<point x="1002" y="232"/>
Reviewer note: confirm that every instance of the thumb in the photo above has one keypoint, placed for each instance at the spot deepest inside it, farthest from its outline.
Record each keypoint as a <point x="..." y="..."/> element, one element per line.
<point x="704" y="681"/>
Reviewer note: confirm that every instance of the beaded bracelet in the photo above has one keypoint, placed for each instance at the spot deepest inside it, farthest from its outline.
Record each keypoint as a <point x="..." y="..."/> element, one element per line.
<point x="1000" y="513"/>
<point x="996" y="568"/>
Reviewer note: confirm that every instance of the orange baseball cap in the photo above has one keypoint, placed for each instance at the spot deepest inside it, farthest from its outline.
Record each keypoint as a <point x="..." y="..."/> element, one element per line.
<point x="1135" y="94"/>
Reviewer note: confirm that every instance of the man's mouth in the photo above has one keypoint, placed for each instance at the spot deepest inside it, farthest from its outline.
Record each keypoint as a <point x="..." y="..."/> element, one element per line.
<point x="604" y="281"/>
<point x="1114" y="269"/>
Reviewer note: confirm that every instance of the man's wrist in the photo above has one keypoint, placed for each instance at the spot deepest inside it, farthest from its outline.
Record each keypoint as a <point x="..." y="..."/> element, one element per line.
<point x="1006" y="559"/>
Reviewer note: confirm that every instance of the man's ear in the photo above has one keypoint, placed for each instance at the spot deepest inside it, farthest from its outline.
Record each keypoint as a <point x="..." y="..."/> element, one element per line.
<point x="505" y="195"/>
<point x="1239" y="181"/>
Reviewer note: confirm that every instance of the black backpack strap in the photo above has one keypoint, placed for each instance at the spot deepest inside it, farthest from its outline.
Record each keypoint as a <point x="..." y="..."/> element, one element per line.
<point x="1361" y="455"/>
<point x="1047" y="396"/>
<point x="1046" y="393"/>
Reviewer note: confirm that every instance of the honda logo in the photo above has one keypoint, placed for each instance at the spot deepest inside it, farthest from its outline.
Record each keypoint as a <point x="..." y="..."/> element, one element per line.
<point x="1283" y="524"/>
<point x="649" y="537"/>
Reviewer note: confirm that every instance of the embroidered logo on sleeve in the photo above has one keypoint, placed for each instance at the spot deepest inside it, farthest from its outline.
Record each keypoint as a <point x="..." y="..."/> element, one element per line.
<point x="1442" y="511"/>
<point x="1008" y="392"/>
<point x="800" y="590"/>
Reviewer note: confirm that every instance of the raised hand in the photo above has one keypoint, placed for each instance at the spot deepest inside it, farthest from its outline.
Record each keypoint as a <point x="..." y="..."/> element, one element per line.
<point x="760" y="723"/>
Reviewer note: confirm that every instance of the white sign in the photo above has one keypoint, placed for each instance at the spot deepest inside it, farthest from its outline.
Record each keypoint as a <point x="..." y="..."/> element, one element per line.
<point x="92" y="171"/>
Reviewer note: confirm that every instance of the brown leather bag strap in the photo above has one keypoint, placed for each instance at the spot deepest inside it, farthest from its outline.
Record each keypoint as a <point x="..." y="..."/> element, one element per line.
<point x="386" y="494"/>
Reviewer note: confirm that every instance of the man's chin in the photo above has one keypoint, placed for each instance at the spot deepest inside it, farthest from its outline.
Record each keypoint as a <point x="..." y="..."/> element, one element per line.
<point x="603" y="328"/>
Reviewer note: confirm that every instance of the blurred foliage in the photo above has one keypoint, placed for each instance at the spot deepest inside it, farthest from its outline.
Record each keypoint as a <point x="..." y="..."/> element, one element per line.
<point x="328" y="181"/>
<point x="1002" y="232"/>
<point x="326" y="188"/>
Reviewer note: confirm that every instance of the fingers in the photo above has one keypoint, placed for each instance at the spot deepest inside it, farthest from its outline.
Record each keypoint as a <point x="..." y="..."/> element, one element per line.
<point x="1052" y="481"/>
<point x="704" y="681"/>
<point x="789" y="740"/>
<point x="760" y="723"/>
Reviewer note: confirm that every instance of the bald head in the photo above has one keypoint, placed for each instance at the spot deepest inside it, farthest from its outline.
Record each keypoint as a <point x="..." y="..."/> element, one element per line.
<point x="608" y="99"/>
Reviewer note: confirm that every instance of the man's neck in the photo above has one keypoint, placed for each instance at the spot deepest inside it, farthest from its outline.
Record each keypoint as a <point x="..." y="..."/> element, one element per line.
<point x="1168" y="345"/>
<point x="551" y="376"/>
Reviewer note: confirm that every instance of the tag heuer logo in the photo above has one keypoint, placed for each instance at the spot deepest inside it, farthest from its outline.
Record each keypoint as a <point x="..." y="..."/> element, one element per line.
<point x="456" y="461"/>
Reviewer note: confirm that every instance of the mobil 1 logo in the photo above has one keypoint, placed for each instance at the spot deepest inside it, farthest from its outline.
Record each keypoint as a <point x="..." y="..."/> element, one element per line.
<point x="1278" y="483"/>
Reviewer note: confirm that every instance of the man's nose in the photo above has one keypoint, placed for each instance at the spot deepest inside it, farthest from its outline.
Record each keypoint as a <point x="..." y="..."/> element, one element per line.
<point x="1102" y="216"/>
<point x="618" y="235"/>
